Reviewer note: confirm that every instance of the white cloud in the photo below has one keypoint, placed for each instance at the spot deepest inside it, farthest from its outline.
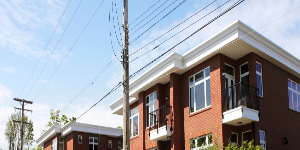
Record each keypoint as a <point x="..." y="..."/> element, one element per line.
<point x="5" y="94"/>
<point x="9" y="69"/>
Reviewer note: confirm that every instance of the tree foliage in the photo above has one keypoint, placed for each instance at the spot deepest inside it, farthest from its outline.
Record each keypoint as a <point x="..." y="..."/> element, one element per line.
<point x="14" y="129"/>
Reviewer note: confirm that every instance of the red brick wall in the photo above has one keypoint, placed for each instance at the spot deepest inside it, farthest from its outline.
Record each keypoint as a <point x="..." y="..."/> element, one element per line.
<point x="48" y="144"/>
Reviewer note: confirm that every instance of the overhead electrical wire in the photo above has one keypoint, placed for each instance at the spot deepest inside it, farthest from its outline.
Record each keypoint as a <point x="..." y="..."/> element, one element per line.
<point x="54" y="49"/>
<point x="177" y="32"/>
<point x="70" y="49"/>
<point x="111" y="41"/>
<point x="149" y="14"/>
<point x="144" y="13"/>
<point x="45" y="47"/>
<point x="229" y="43"/>
<point x="113" y="16"/>
<point x="156" y="16"/>
<point x="176" y="26"/>
<point x="118" y="21"/>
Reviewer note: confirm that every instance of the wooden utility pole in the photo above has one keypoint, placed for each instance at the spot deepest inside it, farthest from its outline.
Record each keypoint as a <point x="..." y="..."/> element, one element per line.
<point x="22" y="121"/>
<point x="126" y="127"/>
<point x="10" y="141"/>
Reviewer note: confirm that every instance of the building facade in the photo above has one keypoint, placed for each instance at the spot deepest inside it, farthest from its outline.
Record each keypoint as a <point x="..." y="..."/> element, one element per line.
<point x="236" y="86"/>
<point x="80" y="136"/>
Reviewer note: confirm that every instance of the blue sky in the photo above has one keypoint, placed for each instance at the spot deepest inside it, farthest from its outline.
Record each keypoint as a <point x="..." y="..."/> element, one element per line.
<point x="26" y="27"/>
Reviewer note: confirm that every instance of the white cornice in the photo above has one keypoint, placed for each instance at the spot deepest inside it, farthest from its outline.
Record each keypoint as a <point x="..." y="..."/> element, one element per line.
<point x="53" y="130"/>
<point x="236" y="31"/>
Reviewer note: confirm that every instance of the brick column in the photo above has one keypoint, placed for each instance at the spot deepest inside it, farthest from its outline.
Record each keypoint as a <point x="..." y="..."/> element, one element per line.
<point x="142" y="115"/>
<point x="177" y="141"/>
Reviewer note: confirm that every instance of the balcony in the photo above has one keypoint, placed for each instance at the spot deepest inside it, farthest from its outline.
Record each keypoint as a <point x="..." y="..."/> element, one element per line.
<point x="240" y="104"/>
<point x="162" y="128"/>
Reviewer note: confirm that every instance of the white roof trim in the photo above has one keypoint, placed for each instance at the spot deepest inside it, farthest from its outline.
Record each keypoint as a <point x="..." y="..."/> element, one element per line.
<point x="80" y="127"/>
<point x="208" y="48"/>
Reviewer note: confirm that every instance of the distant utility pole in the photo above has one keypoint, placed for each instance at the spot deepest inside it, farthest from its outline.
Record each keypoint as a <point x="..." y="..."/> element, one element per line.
<point x="10" y="141"/>
<point x="126" y="127"/>
<point x="22" y="121"/>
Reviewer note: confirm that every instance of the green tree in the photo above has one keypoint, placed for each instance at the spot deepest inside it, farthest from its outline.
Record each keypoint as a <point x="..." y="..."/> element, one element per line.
<point x="119" y="127"/>
<point x="56" y="119"/>
<point x="14" y="129"/>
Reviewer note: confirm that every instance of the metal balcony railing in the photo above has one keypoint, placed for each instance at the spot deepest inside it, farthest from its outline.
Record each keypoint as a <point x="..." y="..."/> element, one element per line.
<point x="163" y="117"/>
<point x="240" y="94"/>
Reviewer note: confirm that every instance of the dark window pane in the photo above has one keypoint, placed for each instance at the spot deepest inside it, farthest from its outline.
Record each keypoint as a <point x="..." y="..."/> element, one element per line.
<point x="298" y="103"/>
<point x="199" y="76"/>
<point x="147" y="99"/>
<point x="247" y="136"/>
<point x="258" y="67"/>
<point x="244" y="68"/>
<point x="209" y="139"/>
<point x="95" y="147"/>
<point x="229" y="70"/>
<point x="191" y="80"/>
<point x="91" y="140"/>
<point x="261" y="136"/>
<point x="193" y="143"/>
<point x="200" y="99"/>
<point x="91" y="147"/>
<point x="245" y="87"/>
<point x="294" y="101"/>
<point x="234" y="138"/>
<point x="290" y="99"/>
<point x="95" y="140"/>
<point x="201" y="141"/>
<point x="294" y="85"/>
<point x="207" y="72"/>
<point x="289" y="83"/>
<point x="259" y="84"/>
<point x="147" y="116"/>
<point x="208" y="94"/>
<point x="192" y="99"/>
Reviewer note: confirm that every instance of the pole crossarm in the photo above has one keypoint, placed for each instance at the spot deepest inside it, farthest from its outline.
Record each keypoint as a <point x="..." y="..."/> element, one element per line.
<point x="20" y="122"/>
<point x="23" y="100"/>
<point x="21" y="109"/>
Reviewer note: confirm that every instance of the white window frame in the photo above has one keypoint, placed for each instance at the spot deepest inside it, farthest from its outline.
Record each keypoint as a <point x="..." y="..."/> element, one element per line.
<point x="263" y="142"/>
<point x="81" y="139"/>
<point x="237" y="138"/>
<point x="243" y="135"/>
<point x="109" y="142"/>
<point x="151" y="104"/>
<point x="194" y="86"/>
<point x="61" y="143"/>
<point x="54" y="144"/>
<point x="131" y="121"/>
<point x="93" y="143"/>
<point x="206" y="140"/>
<point x="242" y="75"/>
<point x="260" y="74"/>
<point x="294" y="91"/>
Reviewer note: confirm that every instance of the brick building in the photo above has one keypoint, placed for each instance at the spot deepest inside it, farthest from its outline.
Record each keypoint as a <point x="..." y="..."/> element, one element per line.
<point x="80" y="136"/>
<point x="236" y="85"/>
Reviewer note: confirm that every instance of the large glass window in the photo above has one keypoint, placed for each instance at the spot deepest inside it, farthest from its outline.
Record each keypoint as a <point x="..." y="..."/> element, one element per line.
<point x="259" y="79"/>
<point x="93" y="143"/>
<point x="244" y="79"/>
<point x="201" y="142"/>
<point x="200" y="96"/>
<point x="54" y="144"/>
<point x="134" y="121"/>
<point x="151" y="105"/>
<point x="294" y="95"/>
<point x="61" y="144"/>
<point x="262" y="139"/>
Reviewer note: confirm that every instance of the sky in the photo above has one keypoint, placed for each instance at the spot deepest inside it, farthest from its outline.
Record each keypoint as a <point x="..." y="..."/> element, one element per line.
<point x="26" y="28"/>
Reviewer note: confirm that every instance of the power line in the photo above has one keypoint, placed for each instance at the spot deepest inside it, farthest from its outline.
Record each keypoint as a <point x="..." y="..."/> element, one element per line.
<point x="45" y="48"/>
<point x="156" y="22"/>
<point x="175" y="27"/>
<point x="118" y="21"/>
<point x="70" y="49"/>
<point x="53" y="50"/>
<point x="151" y="14"/>
<point x="144" y="12"/>
<point x="113" y="16"/>
<point x="177" y="32"/>
<point x="111" y="41"/>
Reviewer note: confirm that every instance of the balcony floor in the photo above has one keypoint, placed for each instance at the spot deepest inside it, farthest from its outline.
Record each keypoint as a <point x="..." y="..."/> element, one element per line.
<point x="240" y="114"/>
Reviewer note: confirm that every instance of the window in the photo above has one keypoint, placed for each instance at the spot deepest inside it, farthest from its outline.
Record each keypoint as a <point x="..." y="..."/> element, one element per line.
<point x="54" y="144"/>
<point x="134" y="121"/>
<point x="80" y="139"/>
<point x="262" y="138"/>
<point x="120" y="144"/>
<point x="109" y="143"/>
<point x="151" y="105"/>
<point x="259" y="79"/>
<point x="201" y="142"/>
<point x="200" y="96"/>
<point x="244" y="70"/>
<point x="247" y="136"/>
<point x="93" y="143"/>
<point x="61" y="144"/>
<point x="294" y="95"/>
<point x="234" y="138"/>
